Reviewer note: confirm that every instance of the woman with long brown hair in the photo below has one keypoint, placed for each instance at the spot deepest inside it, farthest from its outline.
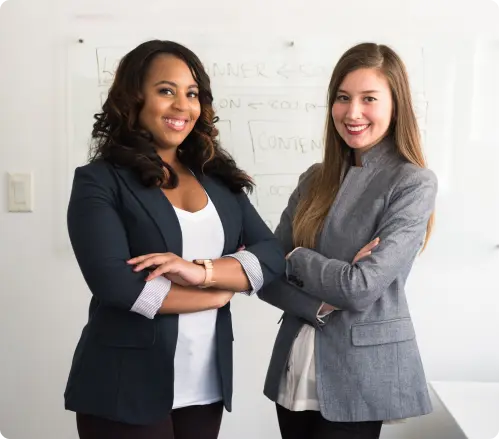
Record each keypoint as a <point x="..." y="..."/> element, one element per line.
<point x="156" y="220"/>
<point x="346" y="357"/>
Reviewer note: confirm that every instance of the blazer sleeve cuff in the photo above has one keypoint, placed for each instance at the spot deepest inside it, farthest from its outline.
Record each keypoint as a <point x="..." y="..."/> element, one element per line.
<point x="152" y="296"/>
<point x="252" y="268"/>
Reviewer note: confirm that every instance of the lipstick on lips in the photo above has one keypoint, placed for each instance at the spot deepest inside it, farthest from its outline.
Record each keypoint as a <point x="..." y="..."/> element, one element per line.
<point x="355" y="130"/>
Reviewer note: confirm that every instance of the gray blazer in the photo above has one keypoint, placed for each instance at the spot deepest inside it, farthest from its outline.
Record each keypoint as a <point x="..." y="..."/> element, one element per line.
<point x="368" y="365"/>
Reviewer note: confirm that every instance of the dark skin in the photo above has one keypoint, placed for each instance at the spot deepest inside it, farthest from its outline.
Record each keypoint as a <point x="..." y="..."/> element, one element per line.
<point x="170" y="111"/>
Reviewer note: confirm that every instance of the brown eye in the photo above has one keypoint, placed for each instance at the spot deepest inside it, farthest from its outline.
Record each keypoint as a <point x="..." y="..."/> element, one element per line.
<point x="166" y="91"/>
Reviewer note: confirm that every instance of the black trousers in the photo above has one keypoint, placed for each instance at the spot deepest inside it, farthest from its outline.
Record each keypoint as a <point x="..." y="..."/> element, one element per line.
<point x="195" y="422"/>
<point x="310" y="424"/>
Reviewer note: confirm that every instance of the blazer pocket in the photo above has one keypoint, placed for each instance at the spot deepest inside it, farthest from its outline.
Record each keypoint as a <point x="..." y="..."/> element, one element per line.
<point x="123" y="329"/>
<point x="387" y="331"/>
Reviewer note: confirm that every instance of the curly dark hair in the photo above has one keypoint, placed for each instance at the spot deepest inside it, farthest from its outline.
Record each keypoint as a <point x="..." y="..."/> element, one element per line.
<point x="118" y="138"/>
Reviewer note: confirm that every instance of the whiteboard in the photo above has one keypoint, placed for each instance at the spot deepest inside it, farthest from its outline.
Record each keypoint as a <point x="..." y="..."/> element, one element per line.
<point x="271" y="101"/>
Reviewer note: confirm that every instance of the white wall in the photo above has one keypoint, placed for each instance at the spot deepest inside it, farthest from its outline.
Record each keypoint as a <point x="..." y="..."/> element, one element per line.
<point x="453" y="290"/>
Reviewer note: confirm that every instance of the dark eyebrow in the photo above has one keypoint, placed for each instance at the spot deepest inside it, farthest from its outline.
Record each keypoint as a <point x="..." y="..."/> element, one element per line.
<point x="365" y="92"/>
<point x="173" y="84"/>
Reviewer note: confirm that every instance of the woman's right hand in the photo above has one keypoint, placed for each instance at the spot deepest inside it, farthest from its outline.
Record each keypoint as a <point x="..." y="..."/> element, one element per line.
<point x="366" y="250"/>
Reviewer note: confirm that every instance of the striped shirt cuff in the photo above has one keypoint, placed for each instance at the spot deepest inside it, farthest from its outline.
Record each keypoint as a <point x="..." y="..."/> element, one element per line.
<point x="252" y="268"/>
<point x="321" y="314"/>
<point x="152" y="296"/>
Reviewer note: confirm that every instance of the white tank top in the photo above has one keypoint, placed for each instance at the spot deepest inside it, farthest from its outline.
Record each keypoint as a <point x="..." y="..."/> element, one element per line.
<point x="197" y="381"/>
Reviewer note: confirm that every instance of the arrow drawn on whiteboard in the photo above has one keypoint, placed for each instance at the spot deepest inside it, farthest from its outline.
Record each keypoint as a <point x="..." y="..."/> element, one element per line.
<point x="283" y="71"/>
<point x="309" y="106"/>
<point x="253" y="105"/>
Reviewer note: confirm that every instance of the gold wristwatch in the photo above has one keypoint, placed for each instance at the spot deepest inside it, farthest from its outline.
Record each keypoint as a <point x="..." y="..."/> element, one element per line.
<point x="208" y="266"/>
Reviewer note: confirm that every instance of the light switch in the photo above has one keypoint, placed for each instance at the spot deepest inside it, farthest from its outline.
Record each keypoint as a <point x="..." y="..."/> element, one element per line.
<point x="20" y="192"/>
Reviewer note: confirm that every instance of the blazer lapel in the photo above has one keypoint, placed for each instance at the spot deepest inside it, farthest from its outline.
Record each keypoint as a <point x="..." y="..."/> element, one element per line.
<point x="158" y="207"/>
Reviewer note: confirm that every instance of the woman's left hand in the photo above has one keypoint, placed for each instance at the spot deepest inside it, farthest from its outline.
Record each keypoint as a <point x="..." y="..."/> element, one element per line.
<point x="171" y="266"/>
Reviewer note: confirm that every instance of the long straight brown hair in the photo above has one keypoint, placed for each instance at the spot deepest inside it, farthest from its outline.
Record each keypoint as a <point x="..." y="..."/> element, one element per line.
<point x="325" y="180"/>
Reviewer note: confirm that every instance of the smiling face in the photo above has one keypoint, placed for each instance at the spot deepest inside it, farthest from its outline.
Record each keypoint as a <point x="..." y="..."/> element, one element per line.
<point x="362" y="109"/>
<point x="171" y="102"/>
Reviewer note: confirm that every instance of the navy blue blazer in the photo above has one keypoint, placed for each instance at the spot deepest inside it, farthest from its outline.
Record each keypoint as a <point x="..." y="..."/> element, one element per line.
<point x="122" y="367"/>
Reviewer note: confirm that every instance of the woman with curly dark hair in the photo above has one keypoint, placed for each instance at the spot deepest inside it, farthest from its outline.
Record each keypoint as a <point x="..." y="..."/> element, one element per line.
<point x="157" y="220"/>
